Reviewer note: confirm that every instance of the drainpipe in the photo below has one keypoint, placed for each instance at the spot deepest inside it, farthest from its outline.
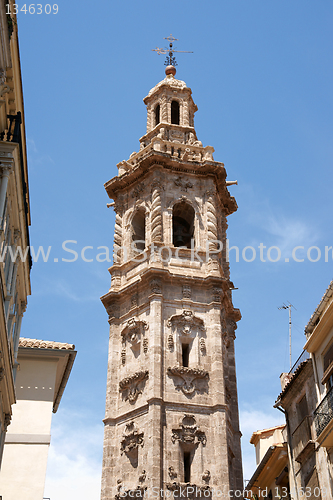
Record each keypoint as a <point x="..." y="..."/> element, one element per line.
<point x="290" y="446"/>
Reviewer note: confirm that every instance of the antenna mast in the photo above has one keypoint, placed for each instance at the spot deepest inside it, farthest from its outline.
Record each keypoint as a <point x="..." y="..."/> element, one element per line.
<point x="289" y="306"/>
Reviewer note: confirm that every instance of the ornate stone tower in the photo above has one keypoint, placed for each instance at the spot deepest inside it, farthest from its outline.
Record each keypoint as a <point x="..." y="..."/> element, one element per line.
<point x="171" y="406"/>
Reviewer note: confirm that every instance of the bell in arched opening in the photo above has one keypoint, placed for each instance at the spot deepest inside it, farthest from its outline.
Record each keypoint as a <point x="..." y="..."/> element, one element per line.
<point x="182" y="224"/>
<point x="139" y="230"/>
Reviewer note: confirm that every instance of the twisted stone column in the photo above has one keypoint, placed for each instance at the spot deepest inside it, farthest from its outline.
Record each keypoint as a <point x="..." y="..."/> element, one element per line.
<point x="212" y="232"/>
<point x="118" y="234"/>
<point x="156" y="212"/>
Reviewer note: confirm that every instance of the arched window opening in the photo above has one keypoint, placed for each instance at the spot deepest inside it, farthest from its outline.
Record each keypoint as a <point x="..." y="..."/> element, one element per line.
<point x="157" y="115"/>
<point x="139" y="230"/>
<point x="175" y="112"/>
<point x="183" y="224"/>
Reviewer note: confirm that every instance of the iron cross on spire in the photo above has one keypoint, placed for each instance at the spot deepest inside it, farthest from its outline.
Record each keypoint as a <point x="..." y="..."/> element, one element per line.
<point x="170" y="58"/>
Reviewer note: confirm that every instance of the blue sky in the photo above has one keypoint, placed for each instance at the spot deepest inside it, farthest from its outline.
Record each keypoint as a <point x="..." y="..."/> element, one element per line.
<point x="261" y="75"/>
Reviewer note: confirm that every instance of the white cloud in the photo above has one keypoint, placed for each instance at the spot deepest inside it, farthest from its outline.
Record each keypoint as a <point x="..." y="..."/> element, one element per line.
<point x="252" y="420"/>
<point x="75" y="459"/>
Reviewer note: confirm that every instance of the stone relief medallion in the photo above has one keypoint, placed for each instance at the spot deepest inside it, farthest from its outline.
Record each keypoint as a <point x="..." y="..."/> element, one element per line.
<point x="131" y="440"/>
<point x="183" y="184"/>
<point x="186" y="323"/>
<point x="156" y="286"/>
<point x="189" y="377"/>
<point x="132" y="386"/>
<point x="189" y="433"/>
<point x="133" y="330"/>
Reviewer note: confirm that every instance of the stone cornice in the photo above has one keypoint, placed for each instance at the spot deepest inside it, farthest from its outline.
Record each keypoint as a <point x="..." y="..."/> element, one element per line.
<point x="176" y="165"/>
<point x="183" y="407"/>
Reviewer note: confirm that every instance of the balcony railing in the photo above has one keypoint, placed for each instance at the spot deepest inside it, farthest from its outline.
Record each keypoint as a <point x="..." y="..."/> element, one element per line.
<point x="303" y="357"/>
<point x="323" y="414"/>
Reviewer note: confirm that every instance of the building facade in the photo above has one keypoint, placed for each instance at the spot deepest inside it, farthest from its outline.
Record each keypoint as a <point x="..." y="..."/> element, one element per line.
<point x="171" y="417"/>
<point x="14" y="213"/>
<point x="271" y="478"/>
<point x="43" y="372"/>
<point x="307" y="403"/>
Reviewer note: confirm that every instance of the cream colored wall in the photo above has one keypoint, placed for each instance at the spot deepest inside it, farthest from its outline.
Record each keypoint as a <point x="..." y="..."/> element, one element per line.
<point x="267" y="440"/>
<point x="18" y="478"/>
<point x="27" y="442"/>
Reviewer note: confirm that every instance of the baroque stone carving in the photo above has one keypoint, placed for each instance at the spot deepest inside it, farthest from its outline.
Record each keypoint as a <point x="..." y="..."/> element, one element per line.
<point x="171" y="343"/>
<point x="143" y="476"/>
<point x="206" y="476"/>
<point x="138" y="190"/>
<point x="156" y="212"/>
<point x="202" y="345"/>
<point x="188" y="377"/>
<point x="172" y="473"/>
<point x="187" y="291"/>
<point x="133" y="330"/>
<point x="156" y="286"/>
<point x="130" y="385"/>
<point x="186" y="322"/>
<point x="217" y="292"/>
<point x="183" y="184"/>
<point x="189" y="432"/>
<point x="132" y="439"/>
<point x="123" y="355"/>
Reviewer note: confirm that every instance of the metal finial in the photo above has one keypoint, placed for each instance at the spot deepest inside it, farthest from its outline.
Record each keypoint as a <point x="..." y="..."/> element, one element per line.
<point x="170" y="58"/>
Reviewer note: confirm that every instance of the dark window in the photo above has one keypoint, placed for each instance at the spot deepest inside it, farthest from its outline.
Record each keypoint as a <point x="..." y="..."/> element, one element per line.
<point x="157" y="115"/>
<point x="175" y="112"/>
<point x="183" y="224"/>
<point x="139" y="230"/>
<point x="185" y="354"/>
<point x="302" y="409"/>
<point x="187" y="466"/>
<point x="328" y="358"/>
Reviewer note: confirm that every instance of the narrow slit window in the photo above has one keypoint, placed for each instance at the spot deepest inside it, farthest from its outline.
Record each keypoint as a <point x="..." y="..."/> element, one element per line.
<point x="185" y="354"/>
<point x="175" y="112"/>
<point x="157" y="115"/>
<point x="187" y="466"/>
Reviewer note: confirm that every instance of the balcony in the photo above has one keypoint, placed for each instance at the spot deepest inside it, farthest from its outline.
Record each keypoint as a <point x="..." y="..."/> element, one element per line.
<point x="302" y="442"/>
<point x="323" y="419"/>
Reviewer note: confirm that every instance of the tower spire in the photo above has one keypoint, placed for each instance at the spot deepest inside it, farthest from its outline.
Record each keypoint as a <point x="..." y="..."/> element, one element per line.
<point x="170" y="58"/>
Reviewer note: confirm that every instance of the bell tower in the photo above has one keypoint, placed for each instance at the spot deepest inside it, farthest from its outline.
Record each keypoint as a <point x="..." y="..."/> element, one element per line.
<point x="171" y="419"/>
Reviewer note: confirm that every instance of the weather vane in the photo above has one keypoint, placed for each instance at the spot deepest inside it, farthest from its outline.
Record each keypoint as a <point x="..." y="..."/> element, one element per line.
<point x="170" y="58"/>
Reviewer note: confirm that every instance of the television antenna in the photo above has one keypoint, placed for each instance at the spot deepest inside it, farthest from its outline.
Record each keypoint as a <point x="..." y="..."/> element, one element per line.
<point x="170" y="58"/>
<point x="289" y="306"/>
